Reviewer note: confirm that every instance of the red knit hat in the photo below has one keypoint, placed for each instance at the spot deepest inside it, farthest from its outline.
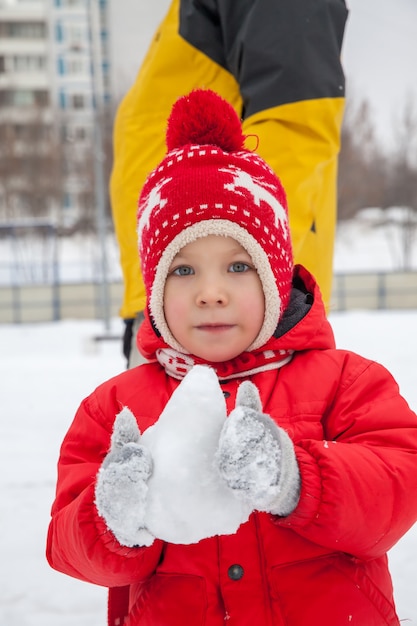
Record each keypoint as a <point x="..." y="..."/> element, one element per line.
<point x="208" y="184"/>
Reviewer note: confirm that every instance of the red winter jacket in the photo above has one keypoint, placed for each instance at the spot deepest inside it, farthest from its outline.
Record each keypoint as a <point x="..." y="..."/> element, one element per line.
<point x="325" y="564"/>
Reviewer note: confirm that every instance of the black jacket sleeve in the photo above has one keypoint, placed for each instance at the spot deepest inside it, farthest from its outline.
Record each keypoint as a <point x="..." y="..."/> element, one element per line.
<point x="279" y="51"/>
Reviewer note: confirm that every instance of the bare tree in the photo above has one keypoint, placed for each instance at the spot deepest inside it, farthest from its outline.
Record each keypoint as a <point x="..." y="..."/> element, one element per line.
<point x="362" y="163"/>
<point x="370" y="177"/>
<point x="30" y="181"/>
<point x="400" y="182"/>
<point x="79" y="163"/>
<point x="45" y="158"/>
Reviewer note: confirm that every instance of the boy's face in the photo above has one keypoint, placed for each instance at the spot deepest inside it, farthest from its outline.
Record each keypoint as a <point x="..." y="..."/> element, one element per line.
<point x="213" y="301"/>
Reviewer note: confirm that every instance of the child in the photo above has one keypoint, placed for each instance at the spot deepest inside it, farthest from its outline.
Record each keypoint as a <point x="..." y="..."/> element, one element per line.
<point x="280" y="513"/>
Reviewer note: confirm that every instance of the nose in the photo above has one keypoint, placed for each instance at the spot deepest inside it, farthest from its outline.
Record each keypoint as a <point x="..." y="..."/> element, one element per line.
<point x="211" y="293"/>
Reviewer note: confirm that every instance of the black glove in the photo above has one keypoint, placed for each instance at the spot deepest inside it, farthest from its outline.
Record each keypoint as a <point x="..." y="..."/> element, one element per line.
<point x="127" y="338"/>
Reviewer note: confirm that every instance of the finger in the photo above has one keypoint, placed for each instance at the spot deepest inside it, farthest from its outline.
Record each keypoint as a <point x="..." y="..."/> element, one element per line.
<point x="248" y="395"/>
<point x="125" y="429"/>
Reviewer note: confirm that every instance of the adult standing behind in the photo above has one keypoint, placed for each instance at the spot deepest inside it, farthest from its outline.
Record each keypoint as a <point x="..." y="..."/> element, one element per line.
<point x="278" y="63"/>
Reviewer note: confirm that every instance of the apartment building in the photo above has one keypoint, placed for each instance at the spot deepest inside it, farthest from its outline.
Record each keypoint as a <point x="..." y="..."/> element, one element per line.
<point x="54" y="83"/>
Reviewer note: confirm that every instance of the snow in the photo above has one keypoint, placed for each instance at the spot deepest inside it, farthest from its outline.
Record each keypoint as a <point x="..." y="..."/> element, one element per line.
<point x="46" y="370"/>
<point x="180" y="447"/>
<point x="376" y="240"/>
<point x="197" y="407"/>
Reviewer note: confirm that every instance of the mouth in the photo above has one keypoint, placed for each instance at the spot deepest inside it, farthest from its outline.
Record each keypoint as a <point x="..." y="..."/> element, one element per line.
<point x="213" y="328"/>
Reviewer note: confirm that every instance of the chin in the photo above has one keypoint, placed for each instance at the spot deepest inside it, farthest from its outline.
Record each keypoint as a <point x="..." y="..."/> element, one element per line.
<point x="218" y="358"/>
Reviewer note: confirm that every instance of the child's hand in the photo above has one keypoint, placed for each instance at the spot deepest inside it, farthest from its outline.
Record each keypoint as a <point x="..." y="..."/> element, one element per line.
<point x="256" y="458"/>
<point x="121" y="488"/>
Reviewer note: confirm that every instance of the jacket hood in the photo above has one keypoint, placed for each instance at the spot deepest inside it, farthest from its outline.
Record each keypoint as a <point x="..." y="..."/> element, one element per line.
<point x="304" y="325"/>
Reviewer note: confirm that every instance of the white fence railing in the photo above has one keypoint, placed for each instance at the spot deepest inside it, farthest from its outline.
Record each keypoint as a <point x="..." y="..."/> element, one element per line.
<point x="53" y="302"/>
<point x="371" y="291"/>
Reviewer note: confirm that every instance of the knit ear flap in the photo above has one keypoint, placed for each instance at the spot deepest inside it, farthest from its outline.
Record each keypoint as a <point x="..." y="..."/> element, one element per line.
<point x="204" y="118"/>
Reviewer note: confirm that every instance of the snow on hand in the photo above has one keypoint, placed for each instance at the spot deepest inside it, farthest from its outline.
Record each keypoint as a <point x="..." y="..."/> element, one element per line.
<point x="187" y="499"/>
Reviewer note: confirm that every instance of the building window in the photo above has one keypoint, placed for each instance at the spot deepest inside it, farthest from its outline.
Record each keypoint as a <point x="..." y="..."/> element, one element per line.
<point x="76" y="36"/>
<point x="67" y="200"/>
<point x="81" y="133"/>
<point x="22" y="97"/>
<point x="73" y="133"/>
<point x="59" y="34"/>
<point x="78" y="101"/>
<point x="23" y="30"/>
<point x="75" y="66"/>
<point x="61" y="66"/>
<point x="41" y="98"/>
<point x="62" y="100"/>
<point x="32" y="132"/>
<point x="26" y="63"/>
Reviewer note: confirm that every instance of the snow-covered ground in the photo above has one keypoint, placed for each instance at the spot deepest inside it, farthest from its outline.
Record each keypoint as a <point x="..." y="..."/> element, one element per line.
<point x="45" y="371"/>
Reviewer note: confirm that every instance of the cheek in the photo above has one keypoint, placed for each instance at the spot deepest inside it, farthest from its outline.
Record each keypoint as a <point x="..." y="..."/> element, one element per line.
<point x="254" y="303"/>
<point x="174" y="304"/>
<point x="256" y="312"/>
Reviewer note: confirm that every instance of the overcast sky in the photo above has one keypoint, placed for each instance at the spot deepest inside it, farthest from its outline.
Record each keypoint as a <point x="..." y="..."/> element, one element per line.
<point x="379" y="52"/>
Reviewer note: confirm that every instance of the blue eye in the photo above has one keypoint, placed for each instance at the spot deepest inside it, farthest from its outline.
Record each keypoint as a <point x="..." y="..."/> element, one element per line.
<point x="183" y="270"/>
<point x="239" y="266"/>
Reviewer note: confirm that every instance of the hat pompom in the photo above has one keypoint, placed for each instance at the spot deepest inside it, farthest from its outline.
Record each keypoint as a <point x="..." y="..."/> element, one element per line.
<point x="204" y="118"/>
